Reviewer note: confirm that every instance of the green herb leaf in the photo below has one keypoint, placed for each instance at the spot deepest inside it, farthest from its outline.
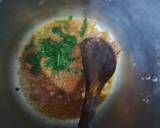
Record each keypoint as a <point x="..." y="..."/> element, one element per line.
<point x="71" y="40"/>
<point x="84" y="27"/>
<point x="70" y="17"/>
<point x="72" y="70"/>
<point x="58" y="31"/>
<point x="65" y="24"/>
<point x="34" y="60"/>
<point x="58" y="53"/>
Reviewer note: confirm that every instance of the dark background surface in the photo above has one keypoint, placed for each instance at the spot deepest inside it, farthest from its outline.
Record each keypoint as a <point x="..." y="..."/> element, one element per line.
<point x="136" y="24"/>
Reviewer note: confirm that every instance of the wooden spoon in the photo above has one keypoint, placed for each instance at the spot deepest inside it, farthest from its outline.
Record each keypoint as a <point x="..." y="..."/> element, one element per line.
<point x="99" y="62"/>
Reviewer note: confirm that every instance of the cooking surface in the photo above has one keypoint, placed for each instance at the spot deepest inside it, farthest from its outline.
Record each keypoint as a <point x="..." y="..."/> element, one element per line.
<point x="135" y="24"/>
<point x="50" y="73"/>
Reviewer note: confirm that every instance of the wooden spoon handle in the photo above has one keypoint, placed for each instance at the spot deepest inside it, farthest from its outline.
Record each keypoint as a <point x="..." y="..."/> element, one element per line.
<point x="87" y="119"/>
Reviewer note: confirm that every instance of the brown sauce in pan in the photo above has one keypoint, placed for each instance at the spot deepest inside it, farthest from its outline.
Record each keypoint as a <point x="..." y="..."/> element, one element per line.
<point x="60" y="94"/>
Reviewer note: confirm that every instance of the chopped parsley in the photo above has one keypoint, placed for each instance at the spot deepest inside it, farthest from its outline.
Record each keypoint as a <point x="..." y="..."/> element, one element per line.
<point x="70" y="17"/>
<point x="69" y="39"/>
<point x="72" y="70"/>
<point x="84" y="27"/>
<point x="57" y="31"/>
<point x="65" y="22"/>
<point x="57" y="54"/>
<point x="34" y="60"/>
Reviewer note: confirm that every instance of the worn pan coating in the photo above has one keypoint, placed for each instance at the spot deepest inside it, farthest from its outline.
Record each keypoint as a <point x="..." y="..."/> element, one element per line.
<point x="135" y="24"/>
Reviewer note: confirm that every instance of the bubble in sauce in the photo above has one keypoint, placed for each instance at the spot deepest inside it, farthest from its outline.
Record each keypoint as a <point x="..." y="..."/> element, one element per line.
<point x="147" y="77"/>
<point x="154" y="78"/>
<point x="146" y="100"/>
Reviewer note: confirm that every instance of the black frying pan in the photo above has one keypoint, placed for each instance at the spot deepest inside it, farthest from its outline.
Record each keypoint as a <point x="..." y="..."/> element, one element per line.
<point x="135" y="103"/>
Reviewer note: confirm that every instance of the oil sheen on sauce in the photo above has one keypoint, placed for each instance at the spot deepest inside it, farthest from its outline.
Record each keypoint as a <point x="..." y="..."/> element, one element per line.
<point x="60" y="94"/>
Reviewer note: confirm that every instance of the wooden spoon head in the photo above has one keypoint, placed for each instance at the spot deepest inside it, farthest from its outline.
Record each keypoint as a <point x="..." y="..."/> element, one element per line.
<point x="99" y="60"/>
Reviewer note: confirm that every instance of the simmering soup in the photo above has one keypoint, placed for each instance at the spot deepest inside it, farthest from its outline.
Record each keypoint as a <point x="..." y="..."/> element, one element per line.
<point x="51" y="70"/>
